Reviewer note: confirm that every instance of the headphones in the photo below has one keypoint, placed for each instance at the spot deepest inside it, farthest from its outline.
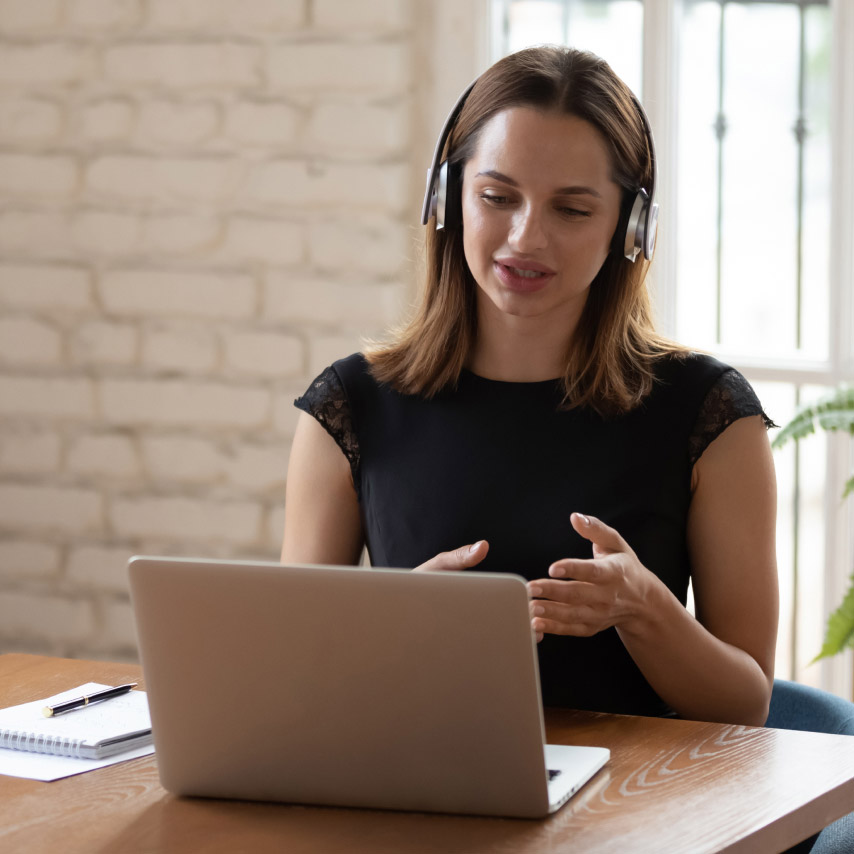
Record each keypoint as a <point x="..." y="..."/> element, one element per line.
<point x="442" y="198"/>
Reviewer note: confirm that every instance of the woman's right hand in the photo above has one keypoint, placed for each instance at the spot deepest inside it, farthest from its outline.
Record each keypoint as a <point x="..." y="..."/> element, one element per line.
<point x="461" y="558"/>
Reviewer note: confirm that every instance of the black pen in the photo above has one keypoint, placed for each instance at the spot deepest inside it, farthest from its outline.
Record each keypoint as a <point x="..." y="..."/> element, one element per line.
<point x="80" y="702"/>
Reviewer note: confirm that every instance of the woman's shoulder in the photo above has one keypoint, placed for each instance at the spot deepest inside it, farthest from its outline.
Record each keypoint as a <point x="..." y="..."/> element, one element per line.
<point x="715" y="395"/>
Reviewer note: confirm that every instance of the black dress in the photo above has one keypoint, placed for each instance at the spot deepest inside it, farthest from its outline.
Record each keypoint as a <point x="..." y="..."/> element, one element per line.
<point x="499" y="461"/>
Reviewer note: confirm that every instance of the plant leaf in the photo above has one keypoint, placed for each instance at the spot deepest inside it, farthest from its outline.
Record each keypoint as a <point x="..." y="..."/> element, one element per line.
<point x="840" y="627"/>
<point x="849" y="487"/>
<point x="832" y="412"/>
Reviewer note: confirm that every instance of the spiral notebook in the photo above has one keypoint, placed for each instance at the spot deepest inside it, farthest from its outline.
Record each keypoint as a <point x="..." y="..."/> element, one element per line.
<point x="94" y="732"/>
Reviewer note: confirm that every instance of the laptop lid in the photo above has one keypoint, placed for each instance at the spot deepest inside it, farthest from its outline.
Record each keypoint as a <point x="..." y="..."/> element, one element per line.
<point x="342" y="686"/>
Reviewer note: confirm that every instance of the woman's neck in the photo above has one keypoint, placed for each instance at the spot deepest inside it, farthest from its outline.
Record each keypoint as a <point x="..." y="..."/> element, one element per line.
<point x="519" y="349"/>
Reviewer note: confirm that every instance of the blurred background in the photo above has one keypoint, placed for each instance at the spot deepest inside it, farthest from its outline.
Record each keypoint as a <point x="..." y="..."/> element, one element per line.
<point x="205" y="202"/>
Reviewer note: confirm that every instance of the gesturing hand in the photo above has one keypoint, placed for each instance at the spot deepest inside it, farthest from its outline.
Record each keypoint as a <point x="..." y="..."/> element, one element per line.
<point x="606" y="590"/>
<point x="461" y="558"/>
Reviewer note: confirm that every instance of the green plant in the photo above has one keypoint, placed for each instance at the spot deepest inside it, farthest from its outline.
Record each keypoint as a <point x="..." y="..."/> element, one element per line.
<point x="833" y="412"/>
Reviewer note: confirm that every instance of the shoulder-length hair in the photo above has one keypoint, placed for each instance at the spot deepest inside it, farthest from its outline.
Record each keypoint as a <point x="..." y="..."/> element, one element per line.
<point x="609" y="365"/>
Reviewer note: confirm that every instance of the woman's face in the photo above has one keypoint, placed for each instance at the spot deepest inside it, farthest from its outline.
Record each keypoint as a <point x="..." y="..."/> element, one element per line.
<point x="539" y="212"/>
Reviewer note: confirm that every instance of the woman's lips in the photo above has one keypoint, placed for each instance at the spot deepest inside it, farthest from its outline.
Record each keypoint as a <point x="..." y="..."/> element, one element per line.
<point x="524" y="276"/>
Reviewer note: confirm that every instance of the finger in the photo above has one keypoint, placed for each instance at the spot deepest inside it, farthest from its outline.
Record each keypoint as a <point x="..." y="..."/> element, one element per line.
<point x="461" y="558"/>
<point x="604" y="538"/>
<point x="566" y="590"/>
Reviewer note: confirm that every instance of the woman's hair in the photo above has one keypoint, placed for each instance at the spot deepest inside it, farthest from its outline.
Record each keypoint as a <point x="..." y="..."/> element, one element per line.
<point x="609" y="366"/>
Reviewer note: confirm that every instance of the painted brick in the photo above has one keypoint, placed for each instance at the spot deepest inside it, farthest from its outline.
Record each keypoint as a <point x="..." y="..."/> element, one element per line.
<point x="104" y="343"/>
<point x="28" y="559"/>
<point x="45" y="287"/>
<point x="55" y="64"/>
<point x="103" y="456"/>
<point x="170" y="293"/>
<point x="50" y="508"/>
<point x="259" y="468"/>
<point x="264" y="123"/>
<point x="53" y="618"/>
<point x="48" y="177"/>
<point x="180" y="234"/>
<point x="106" y="233"/>
<point x="150" y="179"/>
<point x="103" y="15"/>
<point x="345" y="17"/>
<point x="29" y="120"/>
<point x="109" y="120"/>
<point x="326" y="349"/>
<point x="348" y="129"/>
<point x="302" y="184"/>
<point x="266" y="240"/>
<point x="285" y="414"/>
<point x="116" y="627"/>
<point x="376" y="246"/>
<point x="28" y="16"/>
<point x="184" y="519"/>
<point x="38" y="233"/>
<point x="47" y="397"/>
<point x="192" y="16"/>
<point x="24" y="341"/>
<point x="379" y="68"/>
<point x="276" y="529"/>
<point x="99" y="567"/>
<point x="184" y="65"/>
<point x="190" y="350"/>
<point x="184" y="16"/>
<point x="178" y="123"/>
<point x="178" y="403"/>
<point x="182" y="458"/>
<point x="363" y="305"/>
<point x="30" y="452"/>
<point x="264" y="354"/>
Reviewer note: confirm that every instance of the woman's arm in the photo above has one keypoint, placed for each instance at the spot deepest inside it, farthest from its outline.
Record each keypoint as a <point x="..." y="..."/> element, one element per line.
<point x="322" y="519"/>
<point x="719" y="666"/>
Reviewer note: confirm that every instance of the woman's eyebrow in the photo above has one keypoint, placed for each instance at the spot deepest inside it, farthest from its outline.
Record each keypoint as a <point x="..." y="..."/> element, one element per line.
<point x="563" y="191"/>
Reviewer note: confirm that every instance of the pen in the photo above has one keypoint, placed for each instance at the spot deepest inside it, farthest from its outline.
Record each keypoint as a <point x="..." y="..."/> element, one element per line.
<point x="80" y="702"/>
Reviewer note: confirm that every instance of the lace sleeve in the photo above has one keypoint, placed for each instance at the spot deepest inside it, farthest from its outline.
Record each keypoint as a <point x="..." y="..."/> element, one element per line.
<point x="326" y="400"/>
<point x="730" y="398"/>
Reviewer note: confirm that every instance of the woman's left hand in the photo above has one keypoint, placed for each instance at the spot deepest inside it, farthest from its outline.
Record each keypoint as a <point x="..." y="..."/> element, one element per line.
<point x="607" y="590"/>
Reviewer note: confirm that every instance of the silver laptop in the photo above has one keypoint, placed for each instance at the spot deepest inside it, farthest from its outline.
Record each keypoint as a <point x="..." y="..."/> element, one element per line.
<point x="348" y="687"/>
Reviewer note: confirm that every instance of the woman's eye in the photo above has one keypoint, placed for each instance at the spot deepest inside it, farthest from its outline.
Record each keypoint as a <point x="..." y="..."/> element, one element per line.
<point x="574" y="212"/>
<point x="494" y="198"/>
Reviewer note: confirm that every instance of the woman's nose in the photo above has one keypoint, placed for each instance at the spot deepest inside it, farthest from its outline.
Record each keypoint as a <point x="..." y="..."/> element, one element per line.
<point x="527" y="233"/>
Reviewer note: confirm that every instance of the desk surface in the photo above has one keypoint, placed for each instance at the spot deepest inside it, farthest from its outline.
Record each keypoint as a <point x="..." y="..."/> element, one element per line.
<point x="675" y="786"/>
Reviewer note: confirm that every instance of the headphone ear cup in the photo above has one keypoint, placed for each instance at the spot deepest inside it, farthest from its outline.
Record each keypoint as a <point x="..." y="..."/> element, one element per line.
<point x="448" y="197"/>
<point x="636" y="228"/>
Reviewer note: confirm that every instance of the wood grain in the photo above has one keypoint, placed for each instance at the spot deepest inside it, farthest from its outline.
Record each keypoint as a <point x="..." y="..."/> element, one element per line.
<point x="671" y="786"/>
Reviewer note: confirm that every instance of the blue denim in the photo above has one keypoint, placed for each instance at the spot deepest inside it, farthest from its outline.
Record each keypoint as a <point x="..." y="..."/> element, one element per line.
<point x="799" y="707"/>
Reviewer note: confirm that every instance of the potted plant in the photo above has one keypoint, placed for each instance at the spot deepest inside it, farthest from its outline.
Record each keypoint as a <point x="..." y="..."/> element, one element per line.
<point x="833" y="412"/>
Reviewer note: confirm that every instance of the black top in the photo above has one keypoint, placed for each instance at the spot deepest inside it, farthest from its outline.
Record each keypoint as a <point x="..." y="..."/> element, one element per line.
<point x="499" y="461"/>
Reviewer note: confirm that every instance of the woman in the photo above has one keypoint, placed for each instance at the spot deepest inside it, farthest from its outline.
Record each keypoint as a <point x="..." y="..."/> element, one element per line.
<point x="528" y="419"/>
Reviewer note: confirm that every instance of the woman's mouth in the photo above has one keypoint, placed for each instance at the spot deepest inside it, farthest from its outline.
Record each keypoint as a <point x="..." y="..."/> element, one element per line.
<point x="527" y="277"/>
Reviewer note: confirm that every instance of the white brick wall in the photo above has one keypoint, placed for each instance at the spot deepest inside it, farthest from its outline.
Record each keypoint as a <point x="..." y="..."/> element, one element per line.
<point x="202" y="204"/>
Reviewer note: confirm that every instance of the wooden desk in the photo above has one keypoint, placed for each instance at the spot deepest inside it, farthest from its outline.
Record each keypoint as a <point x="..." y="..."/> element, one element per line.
<point x="671" y="786"/>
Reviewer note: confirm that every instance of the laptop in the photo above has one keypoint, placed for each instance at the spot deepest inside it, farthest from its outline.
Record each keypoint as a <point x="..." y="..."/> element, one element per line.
<point x="349" y="687"/>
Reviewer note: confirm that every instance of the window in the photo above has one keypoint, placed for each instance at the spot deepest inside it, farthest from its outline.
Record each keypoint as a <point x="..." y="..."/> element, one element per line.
<point x="748" y="102"/>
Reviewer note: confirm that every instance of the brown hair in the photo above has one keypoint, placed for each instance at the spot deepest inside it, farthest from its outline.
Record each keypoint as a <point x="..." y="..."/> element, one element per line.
<point x="609" y="366"/>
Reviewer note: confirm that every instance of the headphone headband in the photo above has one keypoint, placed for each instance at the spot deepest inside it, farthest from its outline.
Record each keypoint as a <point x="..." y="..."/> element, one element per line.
<point x="643" y="217"/>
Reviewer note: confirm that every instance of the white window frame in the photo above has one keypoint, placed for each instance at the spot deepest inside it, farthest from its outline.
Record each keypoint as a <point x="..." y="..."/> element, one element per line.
<point x="460" y="34"/>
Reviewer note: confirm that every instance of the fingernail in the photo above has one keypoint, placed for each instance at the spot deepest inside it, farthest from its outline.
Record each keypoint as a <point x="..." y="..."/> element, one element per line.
<point x="539" y="610"/>
<point x="535" y="590"/>
<point x="557" y="571"/>
<point x="475" y="547"/>
<point x="584" y="519"/>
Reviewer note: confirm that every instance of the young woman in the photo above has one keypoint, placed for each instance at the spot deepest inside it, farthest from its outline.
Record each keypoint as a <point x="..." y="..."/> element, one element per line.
<point x="528" y="419"/>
